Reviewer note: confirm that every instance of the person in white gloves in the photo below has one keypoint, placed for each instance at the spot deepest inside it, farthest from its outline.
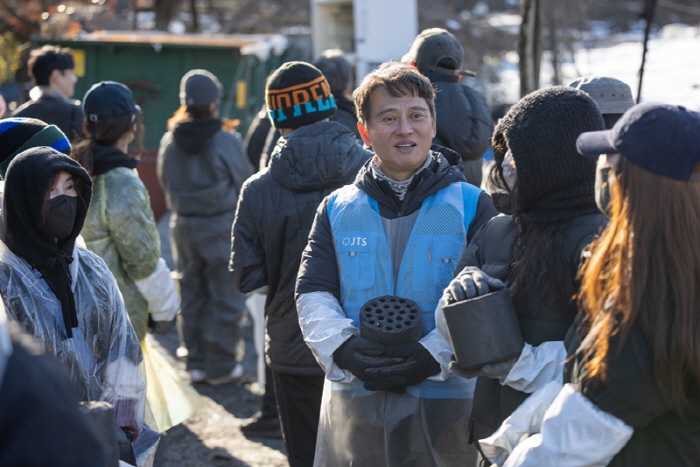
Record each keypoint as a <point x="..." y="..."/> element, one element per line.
<point x="632" y="392"/>
<point x="120" y="226"/>
<point x="535" y="251"/>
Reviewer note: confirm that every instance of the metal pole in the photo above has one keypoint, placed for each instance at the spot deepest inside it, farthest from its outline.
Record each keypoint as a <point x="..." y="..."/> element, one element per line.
<point x="648" y="14"/>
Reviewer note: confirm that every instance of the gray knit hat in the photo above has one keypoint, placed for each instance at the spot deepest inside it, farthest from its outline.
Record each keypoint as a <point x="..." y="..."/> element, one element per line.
<point x="437" y="50"/>
<point x="612" y="95"/>
<point x="199" y="87"/>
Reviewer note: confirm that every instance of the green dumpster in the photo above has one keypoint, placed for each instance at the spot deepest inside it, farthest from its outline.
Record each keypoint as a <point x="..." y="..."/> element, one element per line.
<point x="151" y="64"/>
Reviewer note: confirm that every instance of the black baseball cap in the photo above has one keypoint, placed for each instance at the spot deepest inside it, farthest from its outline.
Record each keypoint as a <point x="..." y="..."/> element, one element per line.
<point x="664" y="139"/>
<point x="108" y="99"/>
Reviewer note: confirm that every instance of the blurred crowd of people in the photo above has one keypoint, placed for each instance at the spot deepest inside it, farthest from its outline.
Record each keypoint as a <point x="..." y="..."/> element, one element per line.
<point x="559" y="232"/>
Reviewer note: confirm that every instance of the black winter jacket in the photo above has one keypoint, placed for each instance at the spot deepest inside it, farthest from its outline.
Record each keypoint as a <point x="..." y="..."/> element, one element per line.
<point x="463" y="121"/>
<point x="274" y="216"/>
<point x="631" y="393"/>
<point x="345" y="114"/>
<point x="446" y="168"/>
<point x="543" y="316"/>
<point x="67" y="114"/>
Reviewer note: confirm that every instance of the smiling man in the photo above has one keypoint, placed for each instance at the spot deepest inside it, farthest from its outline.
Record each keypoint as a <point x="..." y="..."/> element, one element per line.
<point x="52" y="69"/>
<point x="398" y="230"/>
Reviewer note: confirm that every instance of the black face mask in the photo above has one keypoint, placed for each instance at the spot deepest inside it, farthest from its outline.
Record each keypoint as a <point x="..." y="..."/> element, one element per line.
<point x="602" y="189"/>
<point x="61" y="216"/>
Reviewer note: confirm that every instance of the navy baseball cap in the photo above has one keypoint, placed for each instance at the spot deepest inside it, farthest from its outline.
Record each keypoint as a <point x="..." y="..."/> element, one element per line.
<point x="664" y="139"/>
<point x="108" y="99"/>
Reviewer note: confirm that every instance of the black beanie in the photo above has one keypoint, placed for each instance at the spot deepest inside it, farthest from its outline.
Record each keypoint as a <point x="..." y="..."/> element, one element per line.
<point x="298" y="94"/>
<point x="554" y="181"/>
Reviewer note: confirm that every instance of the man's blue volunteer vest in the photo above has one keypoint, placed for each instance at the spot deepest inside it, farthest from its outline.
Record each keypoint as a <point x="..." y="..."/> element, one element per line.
<point x="434" y="248"/>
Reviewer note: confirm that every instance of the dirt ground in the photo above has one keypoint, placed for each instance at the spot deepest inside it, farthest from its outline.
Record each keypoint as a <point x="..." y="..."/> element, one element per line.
<point x="211" y="437"/>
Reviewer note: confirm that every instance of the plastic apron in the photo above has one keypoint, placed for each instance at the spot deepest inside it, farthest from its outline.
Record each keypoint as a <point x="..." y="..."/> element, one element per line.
<point x="428" y="425"/>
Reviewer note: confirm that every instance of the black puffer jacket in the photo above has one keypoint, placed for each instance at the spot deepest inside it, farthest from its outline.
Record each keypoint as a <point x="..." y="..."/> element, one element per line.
<point x="275" y="212"/>
<point x="544" y="315"/>
<point x="463" y="122"/>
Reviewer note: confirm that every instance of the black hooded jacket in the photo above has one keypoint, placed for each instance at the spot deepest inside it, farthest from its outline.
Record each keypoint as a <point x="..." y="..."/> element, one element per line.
<point x="273" y="219"/>
<point x="23" y="229"/>
<point x="345" y="114"/>
<point x="463" y="121"/>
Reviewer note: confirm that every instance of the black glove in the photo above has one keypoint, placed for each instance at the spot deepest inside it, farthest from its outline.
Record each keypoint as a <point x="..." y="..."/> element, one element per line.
<point x="471" y="282"/>
<point x="419" y="364"/>
<point x="357" y="355"/>
<point x="160" y="327"/>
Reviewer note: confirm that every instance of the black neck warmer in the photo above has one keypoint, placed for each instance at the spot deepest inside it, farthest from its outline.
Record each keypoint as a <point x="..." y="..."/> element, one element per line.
<point x="106" y="158"/>
<point x="27" y="235"/>
<point x="555" y="182"/>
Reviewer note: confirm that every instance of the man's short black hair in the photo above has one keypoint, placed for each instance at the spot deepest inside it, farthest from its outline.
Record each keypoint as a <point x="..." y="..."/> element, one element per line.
<point x="336" y="69"/>
<point x="43" y="61"/>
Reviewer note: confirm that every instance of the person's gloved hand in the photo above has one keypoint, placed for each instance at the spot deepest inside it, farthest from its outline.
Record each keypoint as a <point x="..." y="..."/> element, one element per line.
<point x="471" y="282"/>
<point x="358" y="354"/>
<point x="491" y="370"/>
<point x="160" y="327"/>
<point x="418" y="365"/>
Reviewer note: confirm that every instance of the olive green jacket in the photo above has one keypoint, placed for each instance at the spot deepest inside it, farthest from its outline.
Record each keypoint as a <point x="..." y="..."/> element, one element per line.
<point x="120" y="228"/>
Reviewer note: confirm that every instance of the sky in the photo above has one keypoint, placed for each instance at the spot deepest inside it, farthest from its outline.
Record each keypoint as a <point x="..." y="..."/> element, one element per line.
<point x="671" y="71"/>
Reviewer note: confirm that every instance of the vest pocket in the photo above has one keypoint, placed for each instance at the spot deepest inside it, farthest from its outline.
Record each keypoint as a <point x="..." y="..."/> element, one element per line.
<point x="436" y="257"/>
<point x="357" y="257"/>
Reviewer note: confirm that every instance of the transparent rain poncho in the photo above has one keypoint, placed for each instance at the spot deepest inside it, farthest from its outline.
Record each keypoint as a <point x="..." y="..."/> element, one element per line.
<point x="103" y="357"/>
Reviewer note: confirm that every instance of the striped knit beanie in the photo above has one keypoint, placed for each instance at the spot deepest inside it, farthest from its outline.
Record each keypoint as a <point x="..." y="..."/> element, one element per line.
<point x="20" y="133"/>
<point x="298" y="94"/>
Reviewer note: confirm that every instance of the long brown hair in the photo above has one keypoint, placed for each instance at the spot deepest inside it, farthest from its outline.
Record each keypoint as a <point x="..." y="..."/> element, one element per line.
<point x="644" y="270"/>
<point x="105" y="132"/>
<point x="199" y="112"/>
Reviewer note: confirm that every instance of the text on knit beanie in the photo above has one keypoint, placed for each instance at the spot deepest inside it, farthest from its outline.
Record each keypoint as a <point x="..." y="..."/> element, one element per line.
<point x="199" y="87"/>
<point x="20" y="133"/>
<point x="298" y="94"/>
<point x="554" y="181"/>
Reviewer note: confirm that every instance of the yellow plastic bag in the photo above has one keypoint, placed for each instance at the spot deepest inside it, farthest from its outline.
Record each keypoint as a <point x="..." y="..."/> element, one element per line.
<point x="170" y="398"/>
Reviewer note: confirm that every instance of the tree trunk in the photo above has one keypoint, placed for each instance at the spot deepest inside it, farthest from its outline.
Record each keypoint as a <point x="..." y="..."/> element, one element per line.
<point x="194" y="25"/>
<point x="164" y="11"/>
<point x="552" y="14"/>
<point x="530" y="46"/>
